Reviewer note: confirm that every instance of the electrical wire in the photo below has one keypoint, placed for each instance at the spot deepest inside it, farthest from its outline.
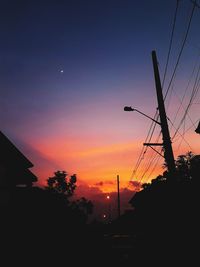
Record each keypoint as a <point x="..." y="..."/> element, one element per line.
<point x="153" y="125"/>
<point x="192" y="97"/>
<point x="171" y="41"/>
<point x="181" y="51"/>
<point x="184" y="95"/>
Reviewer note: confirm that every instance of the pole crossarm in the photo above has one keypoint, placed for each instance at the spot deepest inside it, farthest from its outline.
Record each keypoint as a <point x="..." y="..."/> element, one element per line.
<point x="153" y="144"/>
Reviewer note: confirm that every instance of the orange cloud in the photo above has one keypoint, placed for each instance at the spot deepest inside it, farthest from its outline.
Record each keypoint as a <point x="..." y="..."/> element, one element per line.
<point x="98" y="158"/>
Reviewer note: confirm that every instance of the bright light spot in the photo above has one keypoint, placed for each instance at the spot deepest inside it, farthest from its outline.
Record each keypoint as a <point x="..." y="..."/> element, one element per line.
<point x="61" y="71"/>
<point x="104" y="216"/>
<point x="108" y="197"/>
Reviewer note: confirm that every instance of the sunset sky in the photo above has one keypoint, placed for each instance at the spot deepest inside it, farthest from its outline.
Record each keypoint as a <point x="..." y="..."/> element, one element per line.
<point x="68" y="68"/>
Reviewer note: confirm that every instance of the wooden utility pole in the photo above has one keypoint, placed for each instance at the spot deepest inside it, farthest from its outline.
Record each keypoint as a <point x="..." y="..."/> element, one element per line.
<point x="168" y="152"/>
<point x="118" y="197"/>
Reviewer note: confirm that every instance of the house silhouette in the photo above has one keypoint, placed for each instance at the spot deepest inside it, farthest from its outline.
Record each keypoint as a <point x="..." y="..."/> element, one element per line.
<point x="14" y="166"/>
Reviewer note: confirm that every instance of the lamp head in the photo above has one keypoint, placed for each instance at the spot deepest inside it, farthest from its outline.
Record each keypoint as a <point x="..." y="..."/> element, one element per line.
<point x="128" y="109"/>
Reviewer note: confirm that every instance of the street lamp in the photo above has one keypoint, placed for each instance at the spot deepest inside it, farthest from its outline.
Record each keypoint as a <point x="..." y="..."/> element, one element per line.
<point x="134" y="109"/>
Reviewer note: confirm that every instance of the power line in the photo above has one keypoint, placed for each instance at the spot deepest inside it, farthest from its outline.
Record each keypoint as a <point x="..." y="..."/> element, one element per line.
<point x="151" y="159"/>
<point x="171" y="41"/>
<point x="144" y="149"/>
<point x="143" y="152"/>
<point x="184" y="95"/>
<point x="181" y="135"/>
<point x="191" y="126"/>
<point x="181" y="50"/>
<point x="154" y="167"/>
<point x="168" y="56"/>
<point x="192" y="97"/>
<point x="153" y="125"/>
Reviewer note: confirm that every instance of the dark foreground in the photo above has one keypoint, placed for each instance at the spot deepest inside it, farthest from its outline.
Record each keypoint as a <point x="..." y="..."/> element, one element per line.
<point x="36" y="231"/>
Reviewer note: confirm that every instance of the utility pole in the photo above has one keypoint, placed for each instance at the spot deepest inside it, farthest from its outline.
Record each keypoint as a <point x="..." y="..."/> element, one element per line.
<point x="168" y="152"/>
<point x="118" y="197"/>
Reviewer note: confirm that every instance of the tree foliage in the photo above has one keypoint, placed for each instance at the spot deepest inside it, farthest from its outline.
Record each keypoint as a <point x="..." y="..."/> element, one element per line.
<point x="169" y="207"/>
<point x="65" y="187"/>
<point x="85" y="205"/>
<point x="183" y="166"/>
<point x="61" y="184"/>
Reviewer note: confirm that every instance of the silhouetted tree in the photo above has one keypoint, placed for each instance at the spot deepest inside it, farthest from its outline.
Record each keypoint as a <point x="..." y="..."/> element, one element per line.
<point x="195" y="168"/>
<point x="170" y="209"/>
<point x="59" y="183"/>
<point x="85" y="205"/>
<point x="183" y="166"/>
<point x="65" y="187"/>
